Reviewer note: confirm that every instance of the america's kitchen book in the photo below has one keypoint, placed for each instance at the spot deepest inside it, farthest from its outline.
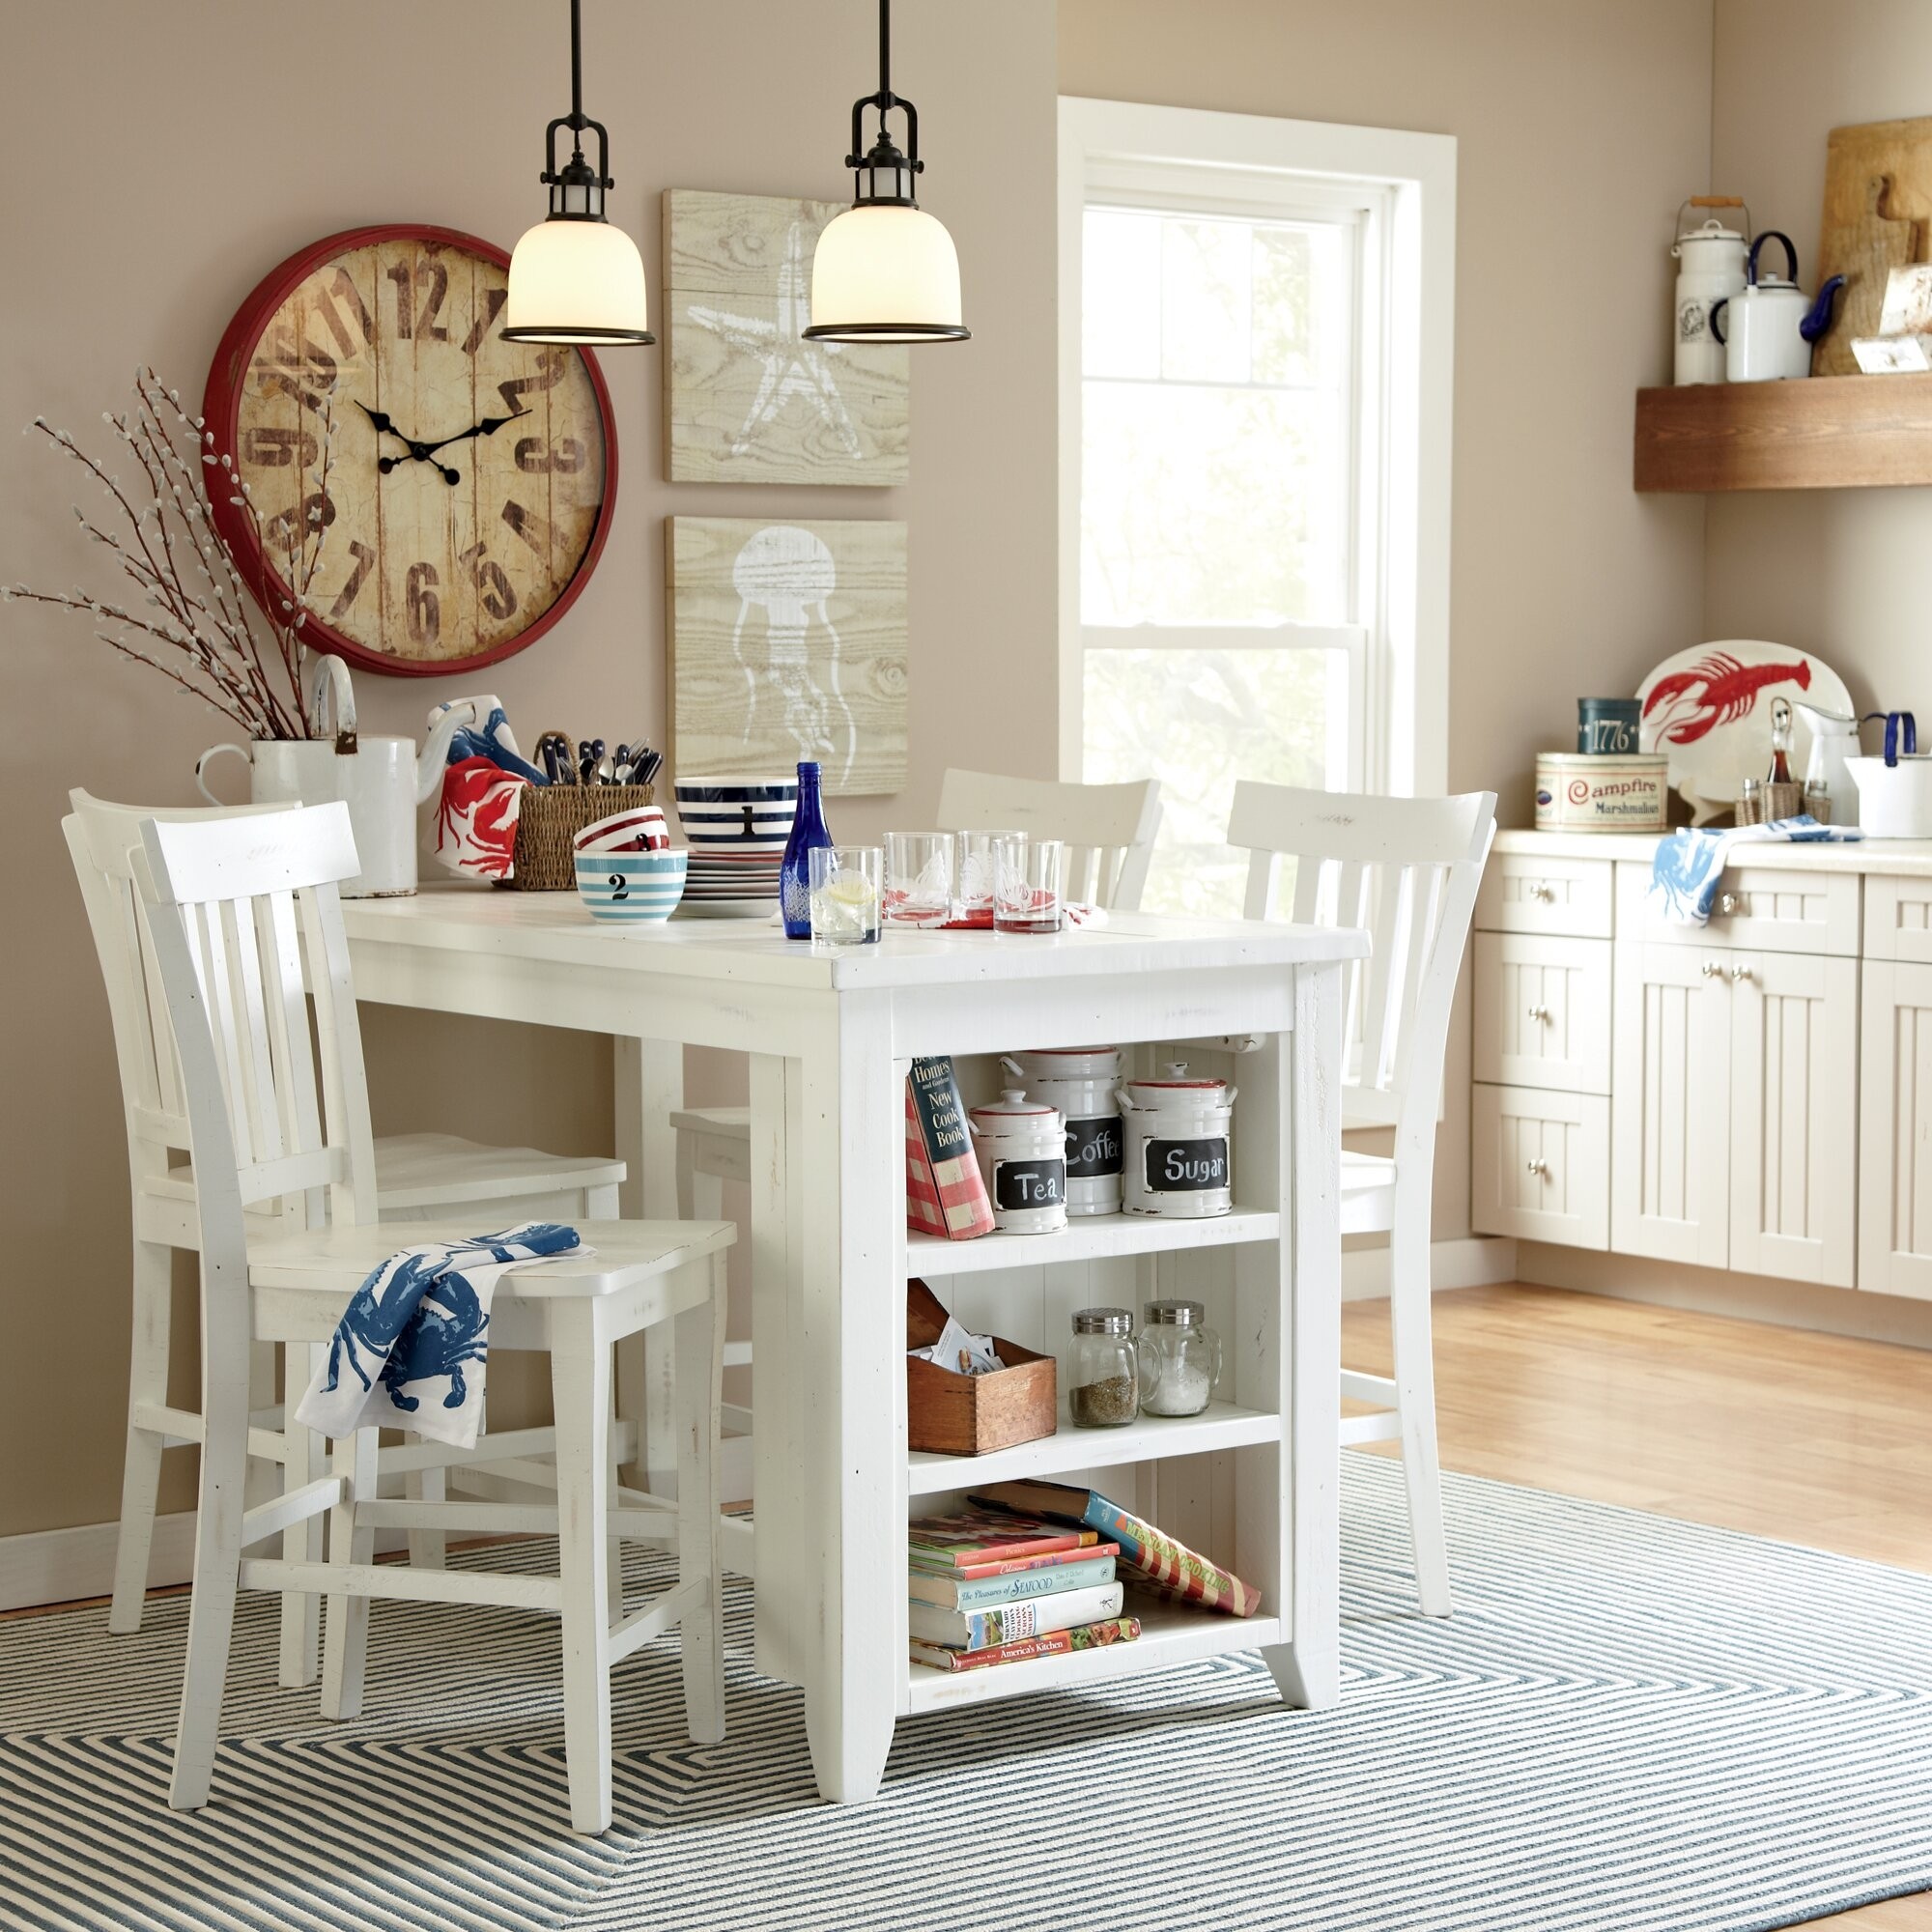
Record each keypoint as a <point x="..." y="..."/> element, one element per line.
<point x="1054" y="1643"/>
<point x="1150" y="1558"/>
<point x="1008" y="1622"/>
<point x="1086" y="1569"/>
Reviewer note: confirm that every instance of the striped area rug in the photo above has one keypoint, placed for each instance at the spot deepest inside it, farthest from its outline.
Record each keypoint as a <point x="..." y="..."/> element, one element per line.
<point x="1629" y="1724"/>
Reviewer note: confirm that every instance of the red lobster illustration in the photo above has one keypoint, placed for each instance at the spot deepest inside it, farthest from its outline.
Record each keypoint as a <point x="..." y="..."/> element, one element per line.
<point x="1714" y="691"/>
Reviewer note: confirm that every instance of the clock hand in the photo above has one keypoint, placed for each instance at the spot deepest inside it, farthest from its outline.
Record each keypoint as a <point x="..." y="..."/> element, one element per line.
<point x="489" y="426"/>
<point x="380" y="420"/>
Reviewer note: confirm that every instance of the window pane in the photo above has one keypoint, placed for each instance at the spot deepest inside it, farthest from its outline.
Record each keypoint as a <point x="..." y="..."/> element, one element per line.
<point x="1197" y="720"/>
<point x="1119" y="311"/>
<point x="1205" y="299"/>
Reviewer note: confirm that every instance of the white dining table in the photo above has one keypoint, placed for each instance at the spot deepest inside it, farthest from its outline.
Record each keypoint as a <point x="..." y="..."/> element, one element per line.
<point x="831" y="1037"/>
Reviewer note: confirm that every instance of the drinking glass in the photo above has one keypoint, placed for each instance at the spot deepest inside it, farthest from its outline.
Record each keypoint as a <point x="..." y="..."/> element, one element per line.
<point x="919" y="878"/>
<point x="1027" y="876"/>
<point x="976" y="870"/>
<point x="845" y="881"/>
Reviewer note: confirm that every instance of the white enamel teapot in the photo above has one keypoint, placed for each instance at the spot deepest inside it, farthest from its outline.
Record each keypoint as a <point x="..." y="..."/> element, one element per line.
<point x="1768" y="331"/>
<point x="382" y="779"/>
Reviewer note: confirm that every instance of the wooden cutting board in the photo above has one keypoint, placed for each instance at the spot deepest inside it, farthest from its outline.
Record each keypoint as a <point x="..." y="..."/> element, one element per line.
<point x="1877" y="198"/>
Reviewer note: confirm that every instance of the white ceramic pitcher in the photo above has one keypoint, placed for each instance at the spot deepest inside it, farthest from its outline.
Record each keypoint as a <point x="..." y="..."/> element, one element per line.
<point x="382" y="779"/>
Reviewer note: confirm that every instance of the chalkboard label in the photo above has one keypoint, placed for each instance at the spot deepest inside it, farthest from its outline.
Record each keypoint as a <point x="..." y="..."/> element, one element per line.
<point x="1094" y="1147"/>
<point x="1187" y="1167"/>
<point x="1020" y="1185"/>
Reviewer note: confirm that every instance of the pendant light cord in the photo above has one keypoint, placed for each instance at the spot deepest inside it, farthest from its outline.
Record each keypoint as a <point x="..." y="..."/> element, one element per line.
<point x="885" y="54"/>
<point x="576" y="120"/>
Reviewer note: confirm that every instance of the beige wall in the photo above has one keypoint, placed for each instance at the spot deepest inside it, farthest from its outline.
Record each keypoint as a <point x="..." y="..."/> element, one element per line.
<point x="159" y="159"/>
<point x="1578" y="128"/>
<point x="1841" y="572"/>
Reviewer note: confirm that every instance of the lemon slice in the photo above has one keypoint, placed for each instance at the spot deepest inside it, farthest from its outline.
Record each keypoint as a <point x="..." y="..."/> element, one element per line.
<point x="848" y="891"/>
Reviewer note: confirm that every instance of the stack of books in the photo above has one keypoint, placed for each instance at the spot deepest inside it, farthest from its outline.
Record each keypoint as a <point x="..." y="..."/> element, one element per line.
<point x="996" y="1587"/>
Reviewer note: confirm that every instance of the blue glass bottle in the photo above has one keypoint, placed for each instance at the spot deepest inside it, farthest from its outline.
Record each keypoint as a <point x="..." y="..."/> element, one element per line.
<point x="807" y="833"/>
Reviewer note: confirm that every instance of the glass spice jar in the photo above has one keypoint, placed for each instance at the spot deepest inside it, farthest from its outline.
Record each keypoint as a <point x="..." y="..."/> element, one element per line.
<point x="1105" y="1388"/>
<point x="1180" y="1359"/>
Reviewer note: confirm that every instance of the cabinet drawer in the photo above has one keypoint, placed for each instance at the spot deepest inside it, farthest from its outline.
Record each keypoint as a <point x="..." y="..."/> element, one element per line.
<point x="1540" y="1165"/>
<point x="1898" y="919"/>
<point x="1771" y="910"/>
<point x="1523" y="892"/>
<point x="1543" y="1011"/>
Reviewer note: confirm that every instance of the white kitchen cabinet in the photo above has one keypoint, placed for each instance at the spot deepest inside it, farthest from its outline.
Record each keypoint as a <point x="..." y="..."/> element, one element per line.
<point x="1539" y="1166"/>
<point x="1670" y="1111"/>
<point x="1794" y="1093"/>
<point x="1543" y="1015"/>
<point x="1896" y="1128"/>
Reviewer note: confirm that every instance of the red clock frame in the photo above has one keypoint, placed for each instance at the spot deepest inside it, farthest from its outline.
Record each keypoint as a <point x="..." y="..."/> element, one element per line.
<point x="221" y="410"/>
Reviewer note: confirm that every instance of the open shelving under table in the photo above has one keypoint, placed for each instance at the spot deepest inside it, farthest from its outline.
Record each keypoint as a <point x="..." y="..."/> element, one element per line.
<point x="1252" y="1483"/>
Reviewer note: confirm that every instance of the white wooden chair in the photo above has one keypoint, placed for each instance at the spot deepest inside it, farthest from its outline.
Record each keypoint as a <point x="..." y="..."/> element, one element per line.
<point x="1109" y="831"/>
<point x="416" y="1175"/>
<point x="1406" y="868"/>
<point x="242" y="922"/>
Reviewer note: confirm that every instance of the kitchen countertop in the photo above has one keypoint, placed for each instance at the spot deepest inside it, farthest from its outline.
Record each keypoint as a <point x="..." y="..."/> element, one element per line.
<point x="1908" y="857"/>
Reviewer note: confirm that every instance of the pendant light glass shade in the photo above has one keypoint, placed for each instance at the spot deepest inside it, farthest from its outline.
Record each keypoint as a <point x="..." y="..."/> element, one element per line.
<point x="577" y="282"/>
<point x="885" y="270"/>
<point x="573" y="278"/>
<point x="884" y="273"/>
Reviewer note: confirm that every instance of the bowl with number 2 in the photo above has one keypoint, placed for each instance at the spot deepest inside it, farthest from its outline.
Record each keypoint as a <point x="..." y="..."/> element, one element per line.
<point x="631" y="888"/>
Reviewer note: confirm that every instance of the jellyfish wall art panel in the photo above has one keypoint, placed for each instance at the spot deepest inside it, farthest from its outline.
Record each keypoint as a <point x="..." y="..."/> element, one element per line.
<point x="788" y="641"/>
<point x="747" y="398"/>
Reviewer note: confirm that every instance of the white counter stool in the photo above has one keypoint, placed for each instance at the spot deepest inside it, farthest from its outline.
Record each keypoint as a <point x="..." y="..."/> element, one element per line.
<point x="416" y="1175"/>
<point x="1109" y="831"/>
<point x="224" y="904"/>
<point x="1406" y="868"/>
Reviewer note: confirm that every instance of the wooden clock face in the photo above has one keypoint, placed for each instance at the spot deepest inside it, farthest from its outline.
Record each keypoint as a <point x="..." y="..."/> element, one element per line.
<point x="470" y="479"/>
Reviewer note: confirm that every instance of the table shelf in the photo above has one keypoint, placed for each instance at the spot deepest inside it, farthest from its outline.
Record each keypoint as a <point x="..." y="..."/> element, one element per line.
<point x="1090" y="1238"/>
<point x="1171" y="1633"/>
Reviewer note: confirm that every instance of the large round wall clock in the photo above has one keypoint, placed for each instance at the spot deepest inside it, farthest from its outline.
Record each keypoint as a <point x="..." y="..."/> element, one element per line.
<point x="470" y="480"/>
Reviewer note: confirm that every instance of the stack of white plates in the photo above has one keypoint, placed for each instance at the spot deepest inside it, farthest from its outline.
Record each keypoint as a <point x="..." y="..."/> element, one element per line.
<point x="737" y="829"/>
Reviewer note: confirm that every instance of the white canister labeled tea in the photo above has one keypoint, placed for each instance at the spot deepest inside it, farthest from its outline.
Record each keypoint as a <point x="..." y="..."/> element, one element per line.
<point x="1180" y="1146"/>
<point x="1080" y="1081"/>
<point x="1021" y="1147"/>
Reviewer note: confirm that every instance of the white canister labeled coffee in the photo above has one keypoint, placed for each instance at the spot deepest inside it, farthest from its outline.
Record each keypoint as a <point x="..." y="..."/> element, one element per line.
<point x="1021" y="1147"/>
<point x="1080" y="1081"/>
<point x="1180" y="1146"/>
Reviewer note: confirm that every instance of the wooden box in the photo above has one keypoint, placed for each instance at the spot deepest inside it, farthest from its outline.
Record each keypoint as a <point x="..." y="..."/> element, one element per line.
<point x="951" y="1414"/>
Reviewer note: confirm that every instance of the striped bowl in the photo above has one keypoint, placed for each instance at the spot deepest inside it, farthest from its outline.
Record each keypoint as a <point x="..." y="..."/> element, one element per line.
<point x="631" y="888"/>
<point x="739" y="816"/>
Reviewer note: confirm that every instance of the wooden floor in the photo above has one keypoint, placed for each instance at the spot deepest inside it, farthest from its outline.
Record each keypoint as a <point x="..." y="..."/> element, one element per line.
<point x="1802" y="1436"/>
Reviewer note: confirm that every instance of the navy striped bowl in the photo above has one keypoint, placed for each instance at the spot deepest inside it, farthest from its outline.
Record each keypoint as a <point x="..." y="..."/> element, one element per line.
<point x="737" y="814"/>
<point x="631" y="888"/>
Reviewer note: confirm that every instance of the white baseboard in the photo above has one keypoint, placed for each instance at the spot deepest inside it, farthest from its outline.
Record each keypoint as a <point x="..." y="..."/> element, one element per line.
<point x="1475" y="1261"/>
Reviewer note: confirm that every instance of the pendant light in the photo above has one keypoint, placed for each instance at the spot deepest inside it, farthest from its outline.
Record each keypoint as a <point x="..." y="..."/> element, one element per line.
<point x="573" y="278"/>
<point x="884" y="269"/>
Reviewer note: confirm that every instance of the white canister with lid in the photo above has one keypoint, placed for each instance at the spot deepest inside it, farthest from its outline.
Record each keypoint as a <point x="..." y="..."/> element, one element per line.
<point x="1179" y="1145"/>
<point x="1080" y="1081"/>
<point x="1710" y="270"/>
<point x="1021" y="1147"/>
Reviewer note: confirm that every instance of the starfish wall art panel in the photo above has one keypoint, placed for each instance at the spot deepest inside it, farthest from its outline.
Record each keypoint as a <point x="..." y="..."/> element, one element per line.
<point x="747" y="399"/>
<point x="788" y="641"/>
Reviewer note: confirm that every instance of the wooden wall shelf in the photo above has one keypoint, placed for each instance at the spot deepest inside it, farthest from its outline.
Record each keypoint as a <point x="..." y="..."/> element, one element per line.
<point x="1826" y="433"/>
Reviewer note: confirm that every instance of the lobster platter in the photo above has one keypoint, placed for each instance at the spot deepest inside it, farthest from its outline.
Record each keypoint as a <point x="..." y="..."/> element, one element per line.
<point x="1707" y="711"/>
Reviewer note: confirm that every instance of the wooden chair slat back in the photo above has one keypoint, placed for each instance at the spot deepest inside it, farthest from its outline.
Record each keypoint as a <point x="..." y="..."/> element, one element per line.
<point x="1109" y="830"/>
<point x="1406" y="869"/>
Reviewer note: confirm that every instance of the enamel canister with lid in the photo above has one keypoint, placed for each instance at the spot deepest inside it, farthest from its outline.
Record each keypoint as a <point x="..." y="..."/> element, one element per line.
<point x="1080" y="1081"/>
<point x="1180" y="1146"/>
<point x="1021" y="1147"/>
<point x="1710" y="270"/>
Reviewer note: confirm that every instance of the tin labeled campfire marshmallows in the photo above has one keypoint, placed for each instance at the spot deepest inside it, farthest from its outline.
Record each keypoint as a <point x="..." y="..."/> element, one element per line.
<point x="1578" y="793"/>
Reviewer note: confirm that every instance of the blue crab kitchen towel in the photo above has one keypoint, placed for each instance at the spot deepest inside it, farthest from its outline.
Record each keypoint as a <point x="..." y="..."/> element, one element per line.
<point x="1684" y="874"/>
<point x="411" y="1349"/>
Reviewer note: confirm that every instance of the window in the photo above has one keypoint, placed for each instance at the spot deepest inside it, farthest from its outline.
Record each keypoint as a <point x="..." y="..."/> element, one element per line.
<point x="1235" y="548"/>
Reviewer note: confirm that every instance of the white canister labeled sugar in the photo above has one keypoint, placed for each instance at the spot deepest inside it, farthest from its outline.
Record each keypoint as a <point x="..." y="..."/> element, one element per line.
<point x="1180" y="1146"/>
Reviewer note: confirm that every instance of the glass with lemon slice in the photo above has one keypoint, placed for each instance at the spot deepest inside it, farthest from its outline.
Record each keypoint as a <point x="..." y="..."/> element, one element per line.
<point x="846" y="889"/>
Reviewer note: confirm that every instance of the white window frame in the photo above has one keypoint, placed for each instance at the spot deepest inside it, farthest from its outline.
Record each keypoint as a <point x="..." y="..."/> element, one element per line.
<point x="1402" y="188"/>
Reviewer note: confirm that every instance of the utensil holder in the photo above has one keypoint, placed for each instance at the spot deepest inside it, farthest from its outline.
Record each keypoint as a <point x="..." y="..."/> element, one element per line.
<point x="543" y="859"/>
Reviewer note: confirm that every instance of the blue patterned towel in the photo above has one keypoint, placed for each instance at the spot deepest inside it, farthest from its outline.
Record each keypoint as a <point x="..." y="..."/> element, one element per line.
<point x="411" y="1330"/>
<point x="1684" y="875"/>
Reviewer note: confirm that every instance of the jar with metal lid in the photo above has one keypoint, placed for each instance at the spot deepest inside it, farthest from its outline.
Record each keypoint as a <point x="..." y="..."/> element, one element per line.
<point x="1080" y="1081"/>
<point x="1104" y="1384"/>
<point x="1021" y="1147"/>
<point x="1180" y="1359"/>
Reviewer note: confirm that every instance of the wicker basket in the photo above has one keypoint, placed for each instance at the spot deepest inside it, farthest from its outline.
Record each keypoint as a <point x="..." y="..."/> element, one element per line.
<point x="551" y="817"/>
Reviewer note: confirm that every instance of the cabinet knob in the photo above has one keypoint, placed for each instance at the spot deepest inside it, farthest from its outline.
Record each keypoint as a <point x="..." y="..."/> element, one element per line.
<point x="1712" y="970"/>
<point x="1540" y="1168"/>
<point x="1740" y="974"/>
<point x="1539" y="1013"/>
<point x="1729" y="903"/>
<point x="1539" y="890"/>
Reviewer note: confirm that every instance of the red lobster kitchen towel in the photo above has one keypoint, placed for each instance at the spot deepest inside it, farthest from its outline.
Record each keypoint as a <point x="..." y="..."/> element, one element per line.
<point x="411" y="1349"/>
